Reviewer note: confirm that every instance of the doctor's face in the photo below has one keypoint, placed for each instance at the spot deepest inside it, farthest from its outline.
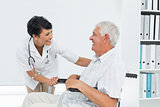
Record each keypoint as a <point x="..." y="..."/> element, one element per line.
<point x="45" y="37"/>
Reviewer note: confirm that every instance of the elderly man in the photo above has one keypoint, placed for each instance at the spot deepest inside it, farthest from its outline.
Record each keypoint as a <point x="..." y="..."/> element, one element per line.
<point x="106" y="72"/>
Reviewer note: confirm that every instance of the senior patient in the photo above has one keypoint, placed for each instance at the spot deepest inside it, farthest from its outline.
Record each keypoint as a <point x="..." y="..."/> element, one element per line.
<point x="106" y="72"/>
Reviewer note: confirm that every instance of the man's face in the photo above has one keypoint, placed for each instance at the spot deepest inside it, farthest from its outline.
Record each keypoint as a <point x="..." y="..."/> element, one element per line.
<point x="45" y="37"/>
<point x="97" y="40"/>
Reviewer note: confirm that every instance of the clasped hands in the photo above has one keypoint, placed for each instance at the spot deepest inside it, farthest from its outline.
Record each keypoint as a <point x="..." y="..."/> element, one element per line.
<point x="72" y="82"/>
<point x="52" y="81"/>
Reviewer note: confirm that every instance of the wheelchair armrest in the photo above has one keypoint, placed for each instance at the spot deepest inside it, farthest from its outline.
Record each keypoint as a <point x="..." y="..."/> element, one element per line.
<point x="62" y="80"/>
<point x="76" y="90"/>
<point x="73" y="90"/>
<point x="130" y="75"/>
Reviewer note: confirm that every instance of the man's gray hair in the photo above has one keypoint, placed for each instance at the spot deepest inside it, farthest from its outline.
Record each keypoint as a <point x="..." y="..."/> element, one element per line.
<point x="107" y="27"/>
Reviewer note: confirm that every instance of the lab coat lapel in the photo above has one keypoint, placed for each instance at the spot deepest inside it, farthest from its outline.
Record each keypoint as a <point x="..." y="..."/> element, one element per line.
<point x="46" y="50"/>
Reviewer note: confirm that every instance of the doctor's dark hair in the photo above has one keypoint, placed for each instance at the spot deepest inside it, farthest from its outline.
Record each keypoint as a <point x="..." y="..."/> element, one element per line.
<point x="35" y="25"/>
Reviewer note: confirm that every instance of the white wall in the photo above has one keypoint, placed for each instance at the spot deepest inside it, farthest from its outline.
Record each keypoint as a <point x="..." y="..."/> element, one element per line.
<point x="73" y="22"/>
<point x="130" y="34"/>
<point x="130" y="49"/>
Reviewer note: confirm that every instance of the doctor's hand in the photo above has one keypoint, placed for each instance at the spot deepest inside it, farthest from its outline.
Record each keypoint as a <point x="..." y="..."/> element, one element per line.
<point x="73" y="83"/>
<point x="52" y="81"/>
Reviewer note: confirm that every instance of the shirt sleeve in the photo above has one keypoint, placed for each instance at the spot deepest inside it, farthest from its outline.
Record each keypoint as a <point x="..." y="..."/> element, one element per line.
<point x="66" y="53"/>
<point x="112" y="82"/>
<point x="22" y="59"/>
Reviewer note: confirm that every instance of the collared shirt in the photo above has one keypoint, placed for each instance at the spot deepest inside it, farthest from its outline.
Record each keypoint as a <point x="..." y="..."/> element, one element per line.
<point x="107" y="73"/>
<point x="47" y="64"/>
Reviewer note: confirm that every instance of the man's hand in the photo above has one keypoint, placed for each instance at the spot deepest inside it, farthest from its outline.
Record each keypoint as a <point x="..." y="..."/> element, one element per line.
<point x="73" y="83"/>
<point x="74" y="76"/>
<point x="52" y="81"/>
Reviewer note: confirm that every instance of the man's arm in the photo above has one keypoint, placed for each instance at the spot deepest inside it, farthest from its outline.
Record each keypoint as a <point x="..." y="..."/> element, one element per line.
<point x="41" y="78"/>
<point x="83" y="62"/>
<point x="99" y="98"/>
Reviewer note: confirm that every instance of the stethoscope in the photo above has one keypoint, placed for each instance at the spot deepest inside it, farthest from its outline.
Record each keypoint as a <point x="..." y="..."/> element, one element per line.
<point x="31" y="60"/>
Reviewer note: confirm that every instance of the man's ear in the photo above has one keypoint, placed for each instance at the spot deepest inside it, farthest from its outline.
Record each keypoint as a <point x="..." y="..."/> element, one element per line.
<point x="106" y="36"/>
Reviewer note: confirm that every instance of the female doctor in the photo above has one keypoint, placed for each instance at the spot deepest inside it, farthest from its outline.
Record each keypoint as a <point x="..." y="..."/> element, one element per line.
<point x="37" y="56"/>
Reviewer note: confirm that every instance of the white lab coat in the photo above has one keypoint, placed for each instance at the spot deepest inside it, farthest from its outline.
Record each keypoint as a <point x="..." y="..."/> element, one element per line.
<point x="48" y="70"/>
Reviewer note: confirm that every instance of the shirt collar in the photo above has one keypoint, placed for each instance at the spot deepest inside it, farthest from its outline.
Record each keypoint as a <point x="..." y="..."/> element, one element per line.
<point x="104" y="56"/>
<point x="33" y="48"/>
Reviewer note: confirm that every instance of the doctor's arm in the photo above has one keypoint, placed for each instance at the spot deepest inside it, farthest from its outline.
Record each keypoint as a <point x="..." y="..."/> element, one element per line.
<point x="41" y="78"/>
<point x="99" y="98"/>
<point x="83" y="61"/>
<point x="70" y="56"/>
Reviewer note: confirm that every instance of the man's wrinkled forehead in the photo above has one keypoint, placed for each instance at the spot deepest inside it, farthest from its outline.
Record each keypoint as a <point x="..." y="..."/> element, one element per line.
<point x="96" y="30"/>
